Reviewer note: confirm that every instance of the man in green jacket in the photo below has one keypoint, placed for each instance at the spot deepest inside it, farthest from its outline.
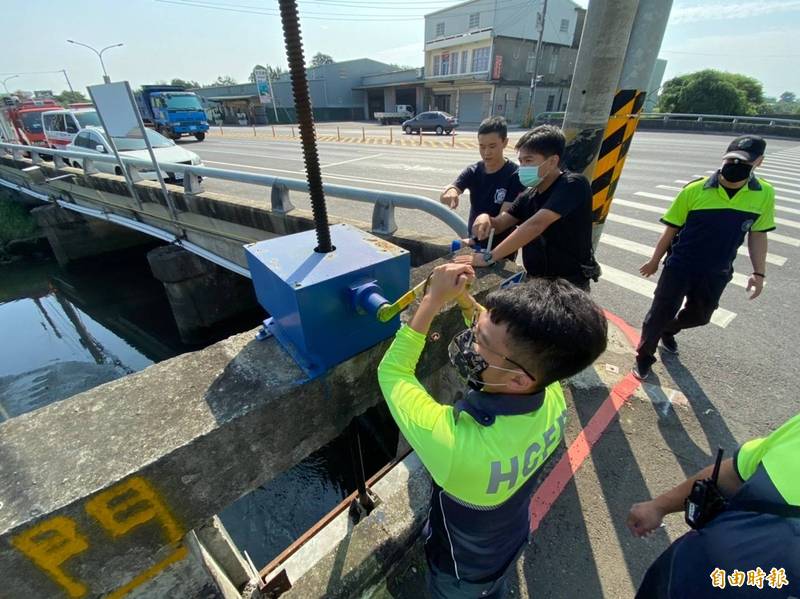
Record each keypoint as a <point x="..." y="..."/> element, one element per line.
<point x="483" y="452"/>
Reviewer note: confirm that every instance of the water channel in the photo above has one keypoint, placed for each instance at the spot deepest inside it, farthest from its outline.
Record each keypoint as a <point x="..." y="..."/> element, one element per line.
<point x="66" y="330"/>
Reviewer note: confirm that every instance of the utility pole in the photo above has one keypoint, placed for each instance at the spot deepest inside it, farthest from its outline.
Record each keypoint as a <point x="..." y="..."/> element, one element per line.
<point x="69" y="85"/>
<point x="644" y="44"/>
<point x="594" y="84"/>
<point x="272" y="93"/>
<point x="540" y="17"/>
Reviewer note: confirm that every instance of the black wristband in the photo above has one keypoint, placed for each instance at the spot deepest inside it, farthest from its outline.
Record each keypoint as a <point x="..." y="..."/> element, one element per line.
<point x="760" y="274"/>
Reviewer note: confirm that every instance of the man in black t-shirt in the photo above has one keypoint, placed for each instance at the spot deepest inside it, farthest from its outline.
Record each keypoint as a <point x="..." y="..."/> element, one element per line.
<point x="492" y="182"/>
<point x="555" y="212"/>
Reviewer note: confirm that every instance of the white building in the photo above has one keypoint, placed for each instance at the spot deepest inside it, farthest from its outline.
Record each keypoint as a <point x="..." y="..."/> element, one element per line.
<point x="480" y="55"/>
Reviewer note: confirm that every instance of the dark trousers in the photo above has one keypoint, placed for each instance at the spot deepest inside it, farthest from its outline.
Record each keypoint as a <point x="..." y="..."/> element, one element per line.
<point x="443" y="585"/>
<point x="701" y="291"/>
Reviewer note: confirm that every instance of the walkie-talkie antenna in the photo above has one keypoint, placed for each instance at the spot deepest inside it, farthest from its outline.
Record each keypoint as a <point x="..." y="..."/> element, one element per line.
<point x="715" y="474"/>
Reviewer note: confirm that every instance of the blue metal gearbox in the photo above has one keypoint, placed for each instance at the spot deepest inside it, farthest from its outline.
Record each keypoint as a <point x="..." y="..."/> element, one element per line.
<point x="322" y="306"/>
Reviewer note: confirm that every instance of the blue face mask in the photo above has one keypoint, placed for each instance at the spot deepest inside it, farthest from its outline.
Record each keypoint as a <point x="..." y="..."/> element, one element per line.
<point x="529" y="176"/>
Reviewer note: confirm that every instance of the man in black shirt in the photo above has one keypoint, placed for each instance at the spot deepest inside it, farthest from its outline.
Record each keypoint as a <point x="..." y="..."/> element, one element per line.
<point x="555" y="212"/>
<point x="492" y="182"/>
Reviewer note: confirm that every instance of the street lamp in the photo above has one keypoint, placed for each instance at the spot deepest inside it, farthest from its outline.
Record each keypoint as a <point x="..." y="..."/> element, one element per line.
<point x="8" y="79"/>
<point x="106" y="78"/>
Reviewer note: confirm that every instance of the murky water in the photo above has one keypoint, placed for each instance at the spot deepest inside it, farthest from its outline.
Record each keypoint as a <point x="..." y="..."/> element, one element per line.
<point x="63" y="331"/>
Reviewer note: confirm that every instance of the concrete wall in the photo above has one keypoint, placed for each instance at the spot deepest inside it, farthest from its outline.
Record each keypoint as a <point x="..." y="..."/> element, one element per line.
<point x="720" y="127"/>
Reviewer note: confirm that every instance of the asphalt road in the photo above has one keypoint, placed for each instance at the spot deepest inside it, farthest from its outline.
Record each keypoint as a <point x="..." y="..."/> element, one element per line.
<point x="745" y="363"/>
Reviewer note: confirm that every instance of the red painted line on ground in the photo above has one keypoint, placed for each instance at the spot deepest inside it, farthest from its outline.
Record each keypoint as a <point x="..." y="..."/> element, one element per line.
<point x="555" y="483"/>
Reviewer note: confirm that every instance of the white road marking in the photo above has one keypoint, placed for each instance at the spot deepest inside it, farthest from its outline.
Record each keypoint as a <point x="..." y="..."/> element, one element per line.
<point x="787" y="223"/>
<point x="785" y="199"/>
<point x="658" y="228"/>
<point x="351" y="160"/>
<point x="637" y="205"/>
<point x="682" y="181"/>
<point x="784" y="190"/>
<point x="777" y="168"/>
<point x="337" y="177"/>
<point x="669" y="187"/>
<point x="644" y="250"/>
<point x="655" y="196"/>
<point x="721" y="317"/>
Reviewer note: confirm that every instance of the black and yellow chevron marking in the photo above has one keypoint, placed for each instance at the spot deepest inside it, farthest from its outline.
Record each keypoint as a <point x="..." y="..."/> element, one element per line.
<point x="617" y="138"/>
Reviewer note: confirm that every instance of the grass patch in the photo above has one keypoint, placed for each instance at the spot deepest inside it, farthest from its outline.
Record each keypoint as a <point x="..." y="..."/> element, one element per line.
<point x="15" y="222"/>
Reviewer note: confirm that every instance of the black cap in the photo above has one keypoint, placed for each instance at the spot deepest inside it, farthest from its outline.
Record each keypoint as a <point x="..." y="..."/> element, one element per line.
<point x="746" y="147"/>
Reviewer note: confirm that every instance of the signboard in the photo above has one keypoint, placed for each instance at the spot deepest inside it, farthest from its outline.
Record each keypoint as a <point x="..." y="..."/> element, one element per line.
<point x="262" y="85"/>
<point x="43" y="93"/>
<point x="498" y="66"/>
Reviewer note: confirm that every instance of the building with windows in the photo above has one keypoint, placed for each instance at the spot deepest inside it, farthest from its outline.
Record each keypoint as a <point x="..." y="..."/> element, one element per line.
<point x="480" y="57"/>
<point x="339" y="91"/>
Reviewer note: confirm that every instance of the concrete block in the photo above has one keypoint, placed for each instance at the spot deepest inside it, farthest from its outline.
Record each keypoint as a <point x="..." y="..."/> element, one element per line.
<point x="200" y="293"/>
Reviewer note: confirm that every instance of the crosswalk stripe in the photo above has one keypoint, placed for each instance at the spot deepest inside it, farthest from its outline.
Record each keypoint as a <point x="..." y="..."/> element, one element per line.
<point x="785" y="199"/>
<point x="669" y="187"/>
<point x="644" y="250"/>
<point x="655" y="196"/>
<point x="770" y="174"/>
<point x="778" y="168"/>
<point x="638" y="206"/>
<point x="787" y="223"/>
<point x="658" y="228"/>
<point x="682" y="181"/>
<point x="784" y="190"/>
<point x="782" y="160"/>
<point x="721" y="317"/>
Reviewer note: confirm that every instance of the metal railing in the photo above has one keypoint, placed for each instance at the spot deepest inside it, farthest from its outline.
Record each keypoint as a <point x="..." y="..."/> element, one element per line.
<point x="698" y="118"/>
<point x="385" y="202"/>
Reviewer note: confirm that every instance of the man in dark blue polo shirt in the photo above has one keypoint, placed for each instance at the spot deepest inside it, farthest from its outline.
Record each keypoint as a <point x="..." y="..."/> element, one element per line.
<point x="705" y="226"/>
<point x="492" y="182"/>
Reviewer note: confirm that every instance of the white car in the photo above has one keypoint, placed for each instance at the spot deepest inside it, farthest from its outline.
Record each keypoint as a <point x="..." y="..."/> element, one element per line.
<point x="93" y="139"/>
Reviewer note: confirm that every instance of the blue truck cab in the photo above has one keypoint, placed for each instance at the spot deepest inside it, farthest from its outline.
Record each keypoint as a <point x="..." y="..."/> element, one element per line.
<point x="172" y="111"/>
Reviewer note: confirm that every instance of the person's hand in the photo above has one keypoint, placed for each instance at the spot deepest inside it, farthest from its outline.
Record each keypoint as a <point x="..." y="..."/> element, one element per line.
<point x="649" y="268"/>
<point x="644" y="518"/>
<point x="450" y="197"/>
<point x="474" y="259"/>
<point x="755" y="283"/>
<point x="448" y="281"/>
<point x="482" y="226"/>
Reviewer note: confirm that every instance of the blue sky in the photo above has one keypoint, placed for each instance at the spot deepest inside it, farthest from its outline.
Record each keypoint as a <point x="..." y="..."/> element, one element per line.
<point x="164" y="40"/>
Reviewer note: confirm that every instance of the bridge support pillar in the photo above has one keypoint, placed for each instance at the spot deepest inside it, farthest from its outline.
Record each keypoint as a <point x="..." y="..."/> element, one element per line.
<point x="201" y="293"/>
<point x="73" y="236"/>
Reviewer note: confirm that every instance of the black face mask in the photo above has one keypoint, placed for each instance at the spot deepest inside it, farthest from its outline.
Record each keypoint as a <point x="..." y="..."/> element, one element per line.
<point x="736" y="171"/>
<point x="470" y="364"/>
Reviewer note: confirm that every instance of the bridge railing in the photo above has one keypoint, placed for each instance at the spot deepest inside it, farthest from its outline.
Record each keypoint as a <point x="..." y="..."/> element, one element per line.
<point x="698" y="118"/>
<point x="384" y="202"/>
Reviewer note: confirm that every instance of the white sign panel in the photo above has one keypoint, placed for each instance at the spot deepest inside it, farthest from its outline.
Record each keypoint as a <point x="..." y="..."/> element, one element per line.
<point x="118" y="113"/>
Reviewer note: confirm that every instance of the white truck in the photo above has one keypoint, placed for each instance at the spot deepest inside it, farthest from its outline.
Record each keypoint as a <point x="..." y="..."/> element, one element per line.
<point x="402" y="113"/>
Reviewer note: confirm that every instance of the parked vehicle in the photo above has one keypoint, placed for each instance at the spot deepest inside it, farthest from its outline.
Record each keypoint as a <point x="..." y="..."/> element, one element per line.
<point x="26" y="118"/>
<point x="93" y="139"/>
<point x="61" y="126"/>
<point x="402" y="112"/>
<point x="435" y="120"/>
<point x="172" y="111"/>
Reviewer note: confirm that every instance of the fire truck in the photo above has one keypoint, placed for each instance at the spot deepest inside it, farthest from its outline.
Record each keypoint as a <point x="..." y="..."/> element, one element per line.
<point x="26" y="118"/>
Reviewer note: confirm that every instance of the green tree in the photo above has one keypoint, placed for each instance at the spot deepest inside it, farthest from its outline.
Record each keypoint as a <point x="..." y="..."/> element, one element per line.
<point x="222" y="80"/>
<point x="187" y="83"/>
<point x="712" y="92"/>
<point x="68" y="97"/>
<point x="320" y="59"/>
<point x="789" y="97"/>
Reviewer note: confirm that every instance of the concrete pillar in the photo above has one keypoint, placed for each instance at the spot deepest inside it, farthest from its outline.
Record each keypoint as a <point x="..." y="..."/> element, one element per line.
<point x="73" y="236"/>
<point x="200" y="293"/>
